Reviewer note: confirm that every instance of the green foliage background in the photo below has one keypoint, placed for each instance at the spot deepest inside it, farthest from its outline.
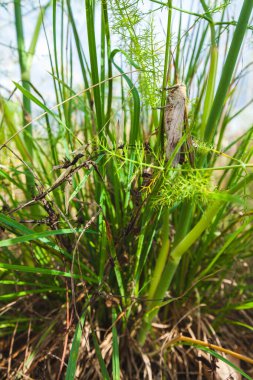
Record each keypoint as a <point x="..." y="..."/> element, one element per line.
<point x="95" y="222"/>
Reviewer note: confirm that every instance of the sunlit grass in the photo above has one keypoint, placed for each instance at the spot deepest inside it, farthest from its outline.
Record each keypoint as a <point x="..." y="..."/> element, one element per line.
<point x="101" y="235"/>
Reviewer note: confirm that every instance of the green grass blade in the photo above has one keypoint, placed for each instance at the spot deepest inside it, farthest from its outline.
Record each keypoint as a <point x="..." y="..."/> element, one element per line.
<point x="102" y="364"/>
<point x="228" y="69"/>
<point x="28" y="94"/>
<point x="36" y="33"/>
<point x="232" y="365"/>
<point x="38" y="235"/>
<point x="90" y="15"/>
<point x="24" y="293"/>
<point x="73" y="356"/>
<point x="115" y="348"/>
<point x="36" y="270"/>
<point x="135" y="130"/>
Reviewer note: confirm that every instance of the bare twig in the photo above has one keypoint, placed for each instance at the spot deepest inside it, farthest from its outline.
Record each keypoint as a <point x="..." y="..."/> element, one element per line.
<point x="59" y="181"/>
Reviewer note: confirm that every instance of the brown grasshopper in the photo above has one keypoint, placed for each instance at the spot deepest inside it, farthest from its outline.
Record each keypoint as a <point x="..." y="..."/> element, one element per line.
<point x="175" y="122"/>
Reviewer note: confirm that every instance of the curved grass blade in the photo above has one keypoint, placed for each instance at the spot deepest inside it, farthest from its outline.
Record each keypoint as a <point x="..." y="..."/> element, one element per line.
<point x="103" y="368"/>
<point x="218" y="356"/>
<point x="73" y="356"/>
<point x="136" y="111"/>
<point x="228" y="70"/>
<point x="38" y="235"/>
<point x="44" y="271"/>
<point x="33" y="98"/>
<point x="11" y="224"/>
<point x="23" y="293"/>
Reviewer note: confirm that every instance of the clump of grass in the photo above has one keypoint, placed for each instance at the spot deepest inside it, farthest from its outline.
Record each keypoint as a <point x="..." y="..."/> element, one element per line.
<point x="115" y="243"/>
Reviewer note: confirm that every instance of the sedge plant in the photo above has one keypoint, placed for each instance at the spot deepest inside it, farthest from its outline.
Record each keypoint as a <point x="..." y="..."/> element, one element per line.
<point x="115" y="239"/>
